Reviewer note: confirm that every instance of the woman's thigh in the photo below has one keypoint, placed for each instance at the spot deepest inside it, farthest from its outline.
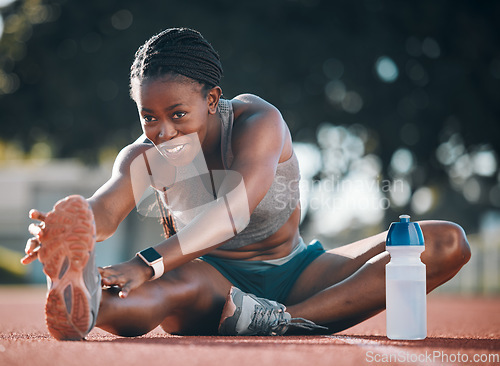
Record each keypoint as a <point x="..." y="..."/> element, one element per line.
<point x="334" y="266"/>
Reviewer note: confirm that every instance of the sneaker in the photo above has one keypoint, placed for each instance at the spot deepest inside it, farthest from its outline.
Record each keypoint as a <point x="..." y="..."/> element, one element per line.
<point x="67" y="255"/>
<point x="247" y="314"/>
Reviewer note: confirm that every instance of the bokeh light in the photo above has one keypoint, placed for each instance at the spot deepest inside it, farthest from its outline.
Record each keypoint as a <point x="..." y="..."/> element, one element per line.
<point x="333" y="68"/>
<point x="422" y="200"/>
<point x="402" y="162"/>
<point x="431" y="48"/>
<point x="386" y="69"/>
<point x="122" y="19"/>
<point x="484" y="162"/>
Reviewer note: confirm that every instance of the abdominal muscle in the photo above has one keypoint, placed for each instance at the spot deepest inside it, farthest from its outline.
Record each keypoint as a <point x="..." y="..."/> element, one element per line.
<point x="278" y="245"/>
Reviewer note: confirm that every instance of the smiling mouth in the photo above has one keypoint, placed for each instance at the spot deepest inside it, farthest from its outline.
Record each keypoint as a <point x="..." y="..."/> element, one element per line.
<point x="175" y="149"/>
<point x="174" y="152"/>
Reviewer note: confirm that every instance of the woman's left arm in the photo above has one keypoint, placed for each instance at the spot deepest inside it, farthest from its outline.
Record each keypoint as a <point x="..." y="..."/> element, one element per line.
<point x="259" y="139"/>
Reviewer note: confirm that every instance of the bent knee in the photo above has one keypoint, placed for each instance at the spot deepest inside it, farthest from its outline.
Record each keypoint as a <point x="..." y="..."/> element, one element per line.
<point x="448" y="242"/>
<point x="458" y="244"/>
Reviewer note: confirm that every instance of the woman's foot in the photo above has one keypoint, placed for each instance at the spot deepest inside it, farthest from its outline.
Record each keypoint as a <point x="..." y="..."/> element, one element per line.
<point x="67" y="255"/>
<point x="247" y="314"/>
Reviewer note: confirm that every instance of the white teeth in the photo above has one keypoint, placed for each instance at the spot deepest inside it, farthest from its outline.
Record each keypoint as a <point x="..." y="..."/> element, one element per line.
<point x="174" y="149"/>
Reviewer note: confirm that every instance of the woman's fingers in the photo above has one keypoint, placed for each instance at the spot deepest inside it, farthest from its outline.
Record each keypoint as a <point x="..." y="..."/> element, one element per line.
<point x="31" y="250"/>
<point x="31" y="245"/>
<point x="28" y="258"/>
<point x="109" y="277"/>
<point x="35" y="229"/>
<point x="113" y="280"/>
<point x="37" y="215"/>
<point x="122" y="275"/>
<point x="125" y="291"/>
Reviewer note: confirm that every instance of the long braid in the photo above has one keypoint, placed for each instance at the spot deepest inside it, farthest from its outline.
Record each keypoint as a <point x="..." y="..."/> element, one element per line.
<point x="176" y="51"/>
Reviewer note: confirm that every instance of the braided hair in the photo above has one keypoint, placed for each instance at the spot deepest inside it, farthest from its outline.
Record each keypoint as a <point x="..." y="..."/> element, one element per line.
<point x="177" y="51"/>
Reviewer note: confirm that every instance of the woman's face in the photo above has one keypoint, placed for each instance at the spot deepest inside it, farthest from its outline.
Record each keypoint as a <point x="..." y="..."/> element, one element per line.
<point x="175" y="116"/>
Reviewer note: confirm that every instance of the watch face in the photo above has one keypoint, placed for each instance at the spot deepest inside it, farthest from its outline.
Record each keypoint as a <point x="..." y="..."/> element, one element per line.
<point x="150" y="254"/>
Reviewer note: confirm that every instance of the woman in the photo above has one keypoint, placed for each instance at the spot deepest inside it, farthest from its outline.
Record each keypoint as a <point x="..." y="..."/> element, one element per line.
<point x="239" y="259"/>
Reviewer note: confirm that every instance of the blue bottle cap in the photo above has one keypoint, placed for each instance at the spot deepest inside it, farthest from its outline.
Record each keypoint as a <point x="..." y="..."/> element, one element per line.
<point x="404" y="232"/>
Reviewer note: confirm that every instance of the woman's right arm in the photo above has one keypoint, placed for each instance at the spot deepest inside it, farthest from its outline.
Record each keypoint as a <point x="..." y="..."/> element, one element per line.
<point x="114" y="200"/>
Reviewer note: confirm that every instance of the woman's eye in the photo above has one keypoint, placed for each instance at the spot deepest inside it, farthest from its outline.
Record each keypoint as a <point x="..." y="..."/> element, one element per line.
<point x="178" y="115"/>
<point x="148" y="118"/>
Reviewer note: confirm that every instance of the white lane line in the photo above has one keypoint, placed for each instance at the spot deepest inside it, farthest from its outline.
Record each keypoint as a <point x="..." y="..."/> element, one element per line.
<point x="377" y="353"/>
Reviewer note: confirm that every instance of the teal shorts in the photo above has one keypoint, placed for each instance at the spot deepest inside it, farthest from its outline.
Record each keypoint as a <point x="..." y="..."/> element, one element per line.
<point x="267" y="279"/>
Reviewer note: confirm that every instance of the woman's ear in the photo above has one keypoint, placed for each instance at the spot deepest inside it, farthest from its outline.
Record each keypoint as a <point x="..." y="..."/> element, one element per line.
<point x="213" y="98"/>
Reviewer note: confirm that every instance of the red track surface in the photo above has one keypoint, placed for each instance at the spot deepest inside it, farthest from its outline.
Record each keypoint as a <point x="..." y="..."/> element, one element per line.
<point x="461" y="331"/>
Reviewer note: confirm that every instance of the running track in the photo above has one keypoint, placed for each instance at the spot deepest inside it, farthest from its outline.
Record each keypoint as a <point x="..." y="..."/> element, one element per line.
<point x="461" y="331"/>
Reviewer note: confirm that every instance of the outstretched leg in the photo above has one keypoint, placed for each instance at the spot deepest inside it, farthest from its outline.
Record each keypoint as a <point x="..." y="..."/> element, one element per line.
<point x="186" y="300"/>
<point x="346" y="285"/>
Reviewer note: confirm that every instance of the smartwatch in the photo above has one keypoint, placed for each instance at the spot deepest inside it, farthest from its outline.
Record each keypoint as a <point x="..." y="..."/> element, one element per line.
<point x="153" y="259"/>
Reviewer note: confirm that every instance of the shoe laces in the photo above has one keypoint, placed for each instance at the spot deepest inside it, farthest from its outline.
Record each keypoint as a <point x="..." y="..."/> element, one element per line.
<point x="269" y="320"/>
<point x="305" y="324"/>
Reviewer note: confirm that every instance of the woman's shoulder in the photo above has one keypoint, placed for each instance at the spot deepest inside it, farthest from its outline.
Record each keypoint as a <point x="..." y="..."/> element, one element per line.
<point x="129" y="153"/>
<point x="244" y="104"/>
<point x="134" y="149"/>
<point x="251" y="111"/>
<point x="259" y="125"/>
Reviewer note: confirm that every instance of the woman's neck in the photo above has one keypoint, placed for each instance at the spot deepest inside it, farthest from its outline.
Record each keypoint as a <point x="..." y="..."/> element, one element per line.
<point x="212" y="143"/>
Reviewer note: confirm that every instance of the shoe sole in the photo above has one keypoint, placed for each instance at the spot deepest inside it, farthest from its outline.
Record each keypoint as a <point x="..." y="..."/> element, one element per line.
<point x="67" y="243"/>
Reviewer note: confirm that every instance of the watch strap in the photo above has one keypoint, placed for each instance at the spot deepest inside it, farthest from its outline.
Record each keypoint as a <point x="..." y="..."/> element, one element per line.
<point x="158" y="269"/>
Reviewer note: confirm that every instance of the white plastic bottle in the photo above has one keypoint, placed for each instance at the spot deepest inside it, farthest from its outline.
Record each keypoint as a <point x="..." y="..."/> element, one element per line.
<point x="405" y="284"/>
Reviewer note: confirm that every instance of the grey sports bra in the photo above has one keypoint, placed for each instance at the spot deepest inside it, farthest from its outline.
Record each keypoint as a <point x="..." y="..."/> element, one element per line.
<point x="279" y="202"/>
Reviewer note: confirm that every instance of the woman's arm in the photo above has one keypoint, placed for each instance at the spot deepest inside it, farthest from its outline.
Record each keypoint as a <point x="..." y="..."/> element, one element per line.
<point x="114" y="200"/>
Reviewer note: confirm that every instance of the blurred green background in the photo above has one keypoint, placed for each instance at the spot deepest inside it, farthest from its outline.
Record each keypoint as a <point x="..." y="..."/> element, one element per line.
<point x="393" y="107"/>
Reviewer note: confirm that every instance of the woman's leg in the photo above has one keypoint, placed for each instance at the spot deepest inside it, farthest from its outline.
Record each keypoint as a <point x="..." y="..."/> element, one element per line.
<point x="346" y="285"/>
<point x="187" y="300"/>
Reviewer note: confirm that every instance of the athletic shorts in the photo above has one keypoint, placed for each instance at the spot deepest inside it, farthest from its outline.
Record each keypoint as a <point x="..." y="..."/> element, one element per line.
<point x="272" y="279"/>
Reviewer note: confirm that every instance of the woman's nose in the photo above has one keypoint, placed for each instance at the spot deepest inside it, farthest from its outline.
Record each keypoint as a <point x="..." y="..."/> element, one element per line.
<point x="167" y="132"/>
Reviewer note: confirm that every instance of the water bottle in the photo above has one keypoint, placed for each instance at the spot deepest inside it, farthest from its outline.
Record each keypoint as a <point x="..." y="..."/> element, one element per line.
<point x="405" y="283"/>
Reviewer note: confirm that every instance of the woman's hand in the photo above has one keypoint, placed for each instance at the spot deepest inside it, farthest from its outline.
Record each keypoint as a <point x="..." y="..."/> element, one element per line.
<point x="33" y="244"/>
<point x="127" y="276"/>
